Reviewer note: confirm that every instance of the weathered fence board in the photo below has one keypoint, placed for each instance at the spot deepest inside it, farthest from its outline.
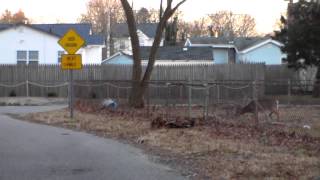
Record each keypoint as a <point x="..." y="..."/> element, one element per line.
<point x="200" y="74"/>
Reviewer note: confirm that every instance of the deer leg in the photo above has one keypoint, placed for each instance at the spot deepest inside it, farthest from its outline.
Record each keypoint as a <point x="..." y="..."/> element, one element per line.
<point x="278" y="115"/>
<point x="270" y="114"/>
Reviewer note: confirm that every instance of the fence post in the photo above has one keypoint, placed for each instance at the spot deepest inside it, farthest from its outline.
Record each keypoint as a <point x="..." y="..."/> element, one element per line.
<point x="27" y="81"/>
<point x="218" y="93"/>
<point x="189" y="97"/>
<point x="167" y="100"/>
<point x="148" y="101"/>
<point x="181" y="94"/>
<point x="27" y="88"/>
<point x="289" y="92"/>
<point x="118" y="94"/>
<point x="127" y="94"/>
<point x="206" y="98"/>
<point x="255" y="99"/>
<point x="108" y="91"/>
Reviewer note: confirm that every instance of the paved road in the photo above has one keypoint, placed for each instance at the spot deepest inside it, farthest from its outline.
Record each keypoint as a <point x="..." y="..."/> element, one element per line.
<point x="37" y="152"/>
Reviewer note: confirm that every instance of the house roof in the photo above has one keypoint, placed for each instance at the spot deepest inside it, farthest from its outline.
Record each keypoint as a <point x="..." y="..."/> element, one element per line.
<point x="120" y="53"/>
<point x="121" y="29"/>
<point x="239" y="43"/>
<point x="60" y="29"/>
<point x="179" y="53"/>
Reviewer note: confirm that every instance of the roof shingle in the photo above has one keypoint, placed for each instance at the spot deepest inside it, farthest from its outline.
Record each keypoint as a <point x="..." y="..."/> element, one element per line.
<point x="121" y="30"/>
<point x="241" y="43"/>
<point x="179" y="53"/>
<point x="60" y="29"/>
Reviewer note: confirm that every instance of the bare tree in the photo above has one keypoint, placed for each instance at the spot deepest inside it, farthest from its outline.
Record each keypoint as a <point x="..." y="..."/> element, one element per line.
<point x="18" y="17"/>
<point x="192" y="29"/>
<point x="6" y="17"/>
<point x="154" y="15"/>
<point x="229" y="25"/>
<point x="143" y="16"/>
<point x="245" y="26"/>
<point x="221" y="24"/>
<point x="199" y="27"/>
<point x="103" y="14"/>
<point x="139" y="80"/>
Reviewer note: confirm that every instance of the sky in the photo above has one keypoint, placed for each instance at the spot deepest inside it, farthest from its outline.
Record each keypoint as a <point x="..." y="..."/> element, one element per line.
<point x="266" y="12"/>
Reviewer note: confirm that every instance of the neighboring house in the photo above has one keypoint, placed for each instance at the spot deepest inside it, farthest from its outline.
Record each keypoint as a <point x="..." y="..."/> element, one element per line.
<point x="167" y="56"/>
<point x="121" y="38"/>
<point x="120" y="58"/>
<point x="38" y="43"/>
<point x="249" y="50"/>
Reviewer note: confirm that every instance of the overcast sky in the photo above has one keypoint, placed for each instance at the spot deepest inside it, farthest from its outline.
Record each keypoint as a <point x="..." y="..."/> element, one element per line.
<point x="266" y="12"/>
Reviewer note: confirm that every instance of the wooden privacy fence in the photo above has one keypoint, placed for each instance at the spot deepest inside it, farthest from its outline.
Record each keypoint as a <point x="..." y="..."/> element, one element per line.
<point x="43" y="80"/>
<point x="53" y="73"/>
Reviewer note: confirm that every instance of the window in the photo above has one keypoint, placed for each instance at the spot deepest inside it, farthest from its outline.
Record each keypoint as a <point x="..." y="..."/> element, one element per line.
<point x="21" y="57"/>
<point x="27" y="57"/>
<point x="21" y="62"/>
<point x="60" y="53"/>
<point x="33" y="62"/>
<point x="33" y="56"/>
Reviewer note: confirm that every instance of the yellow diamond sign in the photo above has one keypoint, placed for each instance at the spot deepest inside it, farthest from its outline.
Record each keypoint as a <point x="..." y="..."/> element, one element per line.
<point x="71" y="41"/>
<point x="71" y="62"/>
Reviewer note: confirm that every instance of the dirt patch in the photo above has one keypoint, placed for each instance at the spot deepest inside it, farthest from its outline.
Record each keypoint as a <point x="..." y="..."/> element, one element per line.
<point x="218" y="148"/>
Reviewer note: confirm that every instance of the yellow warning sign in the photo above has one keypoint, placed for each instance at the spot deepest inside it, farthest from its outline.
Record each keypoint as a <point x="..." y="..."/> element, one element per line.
<point x="71" y="62"/>
<point x="71" y="41"/>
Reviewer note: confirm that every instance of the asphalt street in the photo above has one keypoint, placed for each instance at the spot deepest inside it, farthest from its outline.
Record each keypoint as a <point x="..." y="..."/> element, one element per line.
<point x="37" y="152"/>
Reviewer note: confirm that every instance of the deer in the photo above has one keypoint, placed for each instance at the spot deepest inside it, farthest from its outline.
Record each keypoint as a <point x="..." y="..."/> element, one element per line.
<point x="263" y="105"/>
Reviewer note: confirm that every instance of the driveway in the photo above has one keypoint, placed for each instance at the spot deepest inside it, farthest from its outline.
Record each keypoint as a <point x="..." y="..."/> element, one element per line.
<point x="37" y="152"/>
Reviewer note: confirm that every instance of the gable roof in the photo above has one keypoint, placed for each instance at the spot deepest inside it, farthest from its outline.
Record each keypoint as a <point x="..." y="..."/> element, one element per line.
<point x="4" y="27"/>
<point x="60" y="29"/>
<point x="120" y="53"/>
<point x="120" y="30"/>
<point x="260" y="44"/>
<point x="179" y="53"/>
<point x="241" y="44"/>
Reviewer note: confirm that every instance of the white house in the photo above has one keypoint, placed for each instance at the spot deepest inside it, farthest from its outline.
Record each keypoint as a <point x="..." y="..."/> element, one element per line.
<point x="121" y="38"/>
<point x="249" y="50"/>
<point x="37" y="43"/>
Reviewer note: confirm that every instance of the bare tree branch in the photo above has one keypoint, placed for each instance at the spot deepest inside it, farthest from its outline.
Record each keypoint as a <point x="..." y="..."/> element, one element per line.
<point x="137" y="69"/>
<point x="139" y="86"/>
<point x="156" y="43"/>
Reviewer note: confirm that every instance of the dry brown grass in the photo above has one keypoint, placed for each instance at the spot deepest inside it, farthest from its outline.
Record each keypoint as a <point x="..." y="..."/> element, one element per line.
<point x="229" y="149"/>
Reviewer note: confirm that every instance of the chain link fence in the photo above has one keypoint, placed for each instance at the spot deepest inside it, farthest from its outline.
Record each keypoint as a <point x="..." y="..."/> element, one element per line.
<point x="269" y="101"/>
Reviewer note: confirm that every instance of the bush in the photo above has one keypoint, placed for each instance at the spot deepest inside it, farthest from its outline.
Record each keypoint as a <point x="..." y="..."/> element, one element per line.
<point x="12" y="94"/>
<point x="52" y="94"/>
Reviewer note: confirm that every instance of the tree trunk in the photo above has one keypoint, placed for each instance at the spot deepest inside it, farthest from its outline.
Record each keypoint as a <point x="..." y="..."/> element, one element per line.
<point x="316" y="86"/>
<point x="139" y="85"/>
<point x="137" y="95"/>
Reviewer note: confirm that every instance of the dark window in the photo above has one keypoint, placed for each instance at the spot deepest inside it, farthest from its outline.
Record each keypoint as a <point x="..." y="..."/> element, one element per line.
<point x="21" y="56"/>
<point x="33" y="62"/>
<point x="21" y="62"/>
<point x="33" y="56"/>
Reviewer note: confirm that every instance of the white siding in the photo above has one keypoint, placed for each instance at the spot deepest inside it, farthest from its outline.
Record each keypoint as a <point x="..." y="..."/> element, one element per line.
<point x="269" y="54"/>
<point x="126" y="42"/>
<point x="92" y="55"/>
<point x="28" y="39"/>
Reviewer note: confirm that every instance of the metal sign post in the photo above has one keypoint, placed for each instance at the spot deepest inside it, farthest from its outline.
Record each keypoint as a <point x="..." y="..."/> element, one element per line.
<point x="71" y="42"/>
<point x="70" y="94"/>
